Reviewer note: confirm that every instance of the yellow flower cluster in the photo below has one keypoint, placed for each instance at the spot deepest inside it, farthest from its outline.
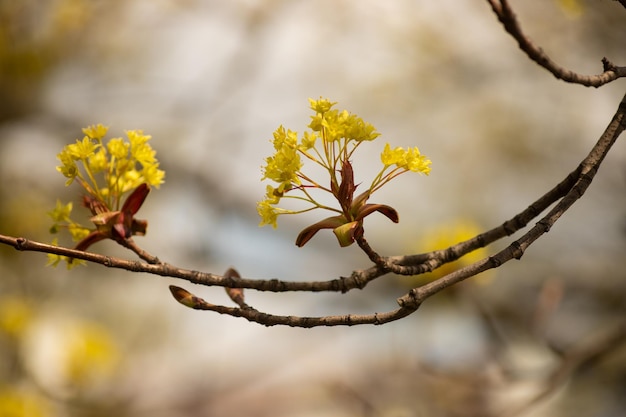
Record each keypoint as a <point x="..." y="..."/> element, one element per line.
<point x="285" y="164"/>
<point x="336" y="125"/>
<point x="123" y="164"/>
<point x="410" y="159"/>
<point x="337" y="130"/>
<point x="107" y="172"/>
<point x="330" y="142"/>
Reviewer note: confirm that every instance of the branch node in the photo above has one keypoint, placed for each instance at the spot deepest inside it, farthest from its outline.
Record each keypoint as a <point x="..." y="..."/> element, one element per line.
<point x="377" y="321"/>
<point x="411" y="300"/>
<point x="510" y="227"/>
<point x="517" y="249"/>
<point x="495" y="261"/>
<point x="607" y="65"/>
<point x="357" y="278"/>
<point x="20" y="243"/>
<point x="544" y="224"/>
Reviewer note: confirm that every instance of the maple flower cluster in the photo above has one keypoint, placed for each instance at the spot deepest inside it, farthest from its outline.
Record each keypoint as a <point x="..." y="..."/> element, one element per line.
<point x="330" y="142"/>
<point x="107" y="172"/>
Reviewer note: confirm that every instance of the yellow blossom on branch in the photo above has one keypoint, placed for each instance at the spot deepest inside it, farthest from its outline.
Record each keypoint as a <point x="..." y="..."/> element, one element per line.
<point x="330" y="143"/>
<point x="116" y="177"/>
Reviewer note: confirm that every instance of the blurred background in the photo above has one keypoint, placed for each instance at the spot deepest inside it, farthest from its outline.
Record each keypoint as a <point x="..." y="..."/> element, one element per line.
<point x="211" y="81"/>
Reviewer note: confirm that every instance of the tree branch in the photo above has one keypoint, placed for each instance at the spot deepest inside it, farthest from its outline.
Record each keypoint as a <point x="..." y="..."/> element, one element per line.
<point x="569" y="191"/>
<point x="251" y="314"/>
<point x="587" y="170"/>
<point x="428" y="262"/>
<point x="129" y="243"/>
<point x="507" y="17"/>
<point x="196" y="277"/>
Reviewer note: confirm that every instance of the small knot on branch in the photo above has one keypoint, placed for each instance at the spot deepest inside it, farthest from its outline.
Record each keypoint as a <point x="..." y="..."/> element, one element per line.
<point x="21" y="243"/>
<point x="410" y="301"/>
<point x="517" y="250"/>
<point x="608" y="65"/>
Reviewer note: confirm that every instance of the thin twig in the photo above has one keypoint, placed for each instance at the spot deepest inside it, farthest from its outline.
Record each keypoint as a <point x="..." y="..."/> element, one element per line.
<point x="129" y="243"/>
<point x="410" y="302"/>
<point x="251" y="314"/>
<point x="428" y="262"/>
<point x="587" y="168"/>
<point x="343" y="284"/>
<point x="507" y="17"/>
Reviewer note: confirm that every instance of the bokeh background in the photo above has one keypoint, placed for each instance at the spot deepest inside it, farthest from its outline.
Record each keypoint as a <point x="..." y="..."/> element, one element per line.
<point x="210" y="81"/>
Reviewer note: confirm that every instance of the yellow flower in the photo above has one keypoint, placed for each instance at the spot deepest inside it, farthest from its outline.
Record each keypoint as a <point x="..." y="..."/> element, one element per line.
<point x="284" y="139"/>
<point x="272" y="196"/>
<point x="130" y="179"/>
<point x="61" y="212"/>
<point x="137" y="138"/>
<point x="144" y="154"/>
<point x="342" y="125"/>
<point x="98" y="161"/>
<point x="316" y="122"/>
<point x="117" y="148"/>
<point x="152" y="175"/>
<point x="392" y="157"/>
<point x="322" y="105"/>
<point x="96" y="131"/>
<point x="268" y="213"/>
<point x="78" y="232"/>
<point x="360" y="130"/>
<point x="410" y="159"/>
<point x="82" y="149"/>
<point x="283" y="166"/>
<point x="417" y="162"/>
<point x="308" y="141"/>
<point x="69" y="169"/>
<point x="333" y="124"/>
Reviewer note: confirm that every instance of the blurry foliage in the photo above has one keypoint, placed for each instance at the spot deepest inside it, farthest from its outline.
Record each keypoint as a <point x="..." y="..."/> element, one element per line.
<point x="15" y="317"/>
<point x="80" y="357"/>
<point x="16" y="402"/>
<point x="89" y="355"/>
<point x="34" y="38"/>
<point x="573" y="8"/>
